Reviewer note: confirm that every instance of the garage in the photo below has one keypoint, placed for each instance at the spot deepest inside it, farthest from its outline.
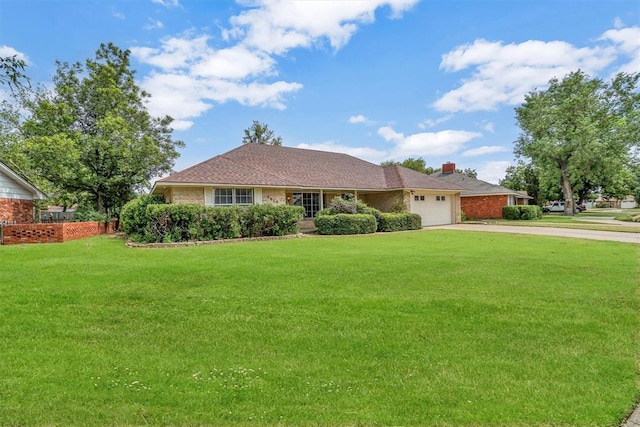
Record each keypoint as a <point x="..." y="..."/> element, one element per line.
<point x="435" y="209"/>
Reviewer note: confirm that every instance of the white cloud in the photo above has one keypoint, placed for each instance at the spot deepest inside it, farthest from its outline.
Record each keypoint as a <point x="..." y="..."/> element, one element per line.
<point x="360" y="119"/>
<point x="627" y="42"/>
<point x="488" y="126"/>
<point x="485" y="149"/>
<point x="430" y="123"/>
<point x="153" y="25"/>
<point x="493" y="171"/>
<point x="118" y="15"/>
<point x="167" y="3"/>
<point x="370" y="154"/>
<point x="6" y="51"/>
<point x="276" y="26"/>
<point x="191" y="76"/>
<point x="504" y="73"/>
<point x="426" y="143"/>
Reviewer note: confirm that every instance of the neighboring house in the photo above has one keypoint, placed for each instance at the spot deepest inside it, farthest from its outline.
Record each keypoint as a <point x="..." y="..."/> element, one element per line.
<point x="481" y="199"/>
<point x="628" y="202"/>
<point x="16" y="197"/>
<point x="267" y="174"/>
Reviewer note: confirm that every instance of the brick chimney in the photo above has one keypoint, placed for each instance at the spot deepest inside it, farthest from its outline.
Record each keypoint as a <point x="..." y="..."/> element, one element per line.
<point x="448" y="167"/>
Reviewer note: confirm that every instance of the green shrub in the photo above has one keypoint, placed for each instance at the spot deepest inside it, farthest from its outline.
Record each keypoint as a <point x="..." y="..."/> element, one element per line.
<point x="346" y="224"/>
<point x="270" y="220"/>
<point x="399" y="222"/>
<point x="133" y="216"/>
<point x="521" y="212"/>
<point x="339" y="205"/>
<point x="186" y="222"/>
<point x="87" y="213"/>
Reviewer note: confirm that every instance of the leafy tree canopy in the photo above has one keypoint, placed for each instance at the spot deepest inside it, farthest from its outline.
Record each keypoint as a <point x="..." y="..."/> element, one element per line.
<point x="259" y="133"/>
<point x="92" y="133"/>
<point x="581" y="132"/>
<point x="12" y="72"/>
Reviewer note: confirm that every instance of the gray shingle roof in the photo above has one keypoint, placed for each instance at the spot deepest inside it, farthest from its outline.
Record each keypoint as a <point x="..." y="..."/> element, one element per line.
<point x="476" y="187"/>
<point x="268" y="165"/>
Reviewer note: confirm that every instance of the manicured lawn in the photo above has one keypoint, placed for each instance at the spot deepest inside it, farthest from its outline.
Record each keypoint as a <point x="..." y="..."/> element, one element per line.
<point x="432" y="327"/>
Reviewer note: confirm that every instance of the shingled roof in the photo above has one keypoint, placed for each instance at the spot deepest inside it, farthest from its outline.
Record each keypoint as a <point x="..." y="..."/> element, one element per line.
<point x="476" y="187"/>
<point x="276" y="166"/>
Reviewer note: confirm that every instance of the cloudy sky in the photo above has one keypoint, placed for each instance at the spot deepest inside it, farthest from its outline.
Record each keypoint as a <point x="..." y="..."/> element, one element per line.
<point x="377" y="79"/>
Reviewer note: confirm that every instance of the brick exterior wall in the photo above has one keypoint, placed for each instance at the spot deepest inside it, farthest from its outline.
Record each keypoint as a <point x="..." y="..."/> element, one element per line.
<point x="187" y="195"/>
<point x="274" y="196"/>
<point x="16" y="211"/>
<point x="52" y="233"/>
<point x="483" y="207"/>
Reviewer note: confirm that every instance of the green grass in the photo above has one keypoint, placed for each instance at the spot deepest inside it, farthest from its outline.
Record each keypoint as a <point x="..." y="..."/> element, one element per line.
<point x="431" y="327"/>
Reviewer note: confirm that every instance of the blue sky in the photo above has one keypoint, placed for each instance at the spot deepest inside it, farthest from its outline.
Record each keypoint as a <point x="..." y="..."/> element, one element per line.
<point x="376" y="79"/>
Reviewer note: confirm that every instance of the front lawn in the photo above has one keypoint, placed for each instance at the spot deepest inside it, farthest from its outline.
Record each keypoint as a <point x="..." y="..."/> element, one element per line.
<point x="433" y="327"/>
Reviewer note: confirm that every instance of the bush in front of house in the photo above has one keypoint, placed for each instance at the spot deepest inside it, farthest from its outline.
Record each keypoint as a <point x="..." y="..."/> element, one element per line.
<point x="339" y="205"/>
<point x="521" y="212"/>
<point x="344" y="223"/>
<point x="133" y="216"/>
<point x="399" y="222"/>
<point x="187" y="222"/>
<point x="270" y="220"/>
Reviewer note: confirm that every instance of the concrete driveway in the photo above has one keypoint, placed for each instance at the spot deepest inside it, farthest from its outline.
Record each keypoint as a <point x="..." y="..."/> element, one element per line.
<point x="616" y="236"/>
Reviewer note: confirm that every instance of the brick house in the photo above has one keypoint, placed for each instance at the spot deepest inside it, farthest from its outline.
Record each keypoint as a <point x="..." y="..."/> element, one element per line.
<point x="16" y="197"/>
<point x="267" y="174"/>
<point x="480" y="199"/>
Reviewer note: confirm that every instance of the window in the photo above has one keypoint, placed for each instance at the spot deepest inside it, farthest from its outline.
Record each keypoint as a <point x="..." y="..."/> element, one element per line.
<point x="416" y="198"/>
<point x="233" y="196"/>
<point x="440" y="198"/>
<point x="419" y="198"/>
<point x="223" y="196"/>
<point x="244" y="196"/>
<point x="422" y="198"/>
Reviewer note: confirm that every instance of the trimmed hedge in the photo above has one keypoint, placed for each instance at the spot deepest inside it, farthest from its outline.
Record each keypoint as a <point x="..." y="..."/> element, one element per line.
<point x="522" y="212"/>
<point x="183" y="223"/>
<point x="133" y="216"/>
<point x="399" y="222"/>
<point x="270" y="220"/>
<point x="346" y="224"/>
<point x="188" y="222"/>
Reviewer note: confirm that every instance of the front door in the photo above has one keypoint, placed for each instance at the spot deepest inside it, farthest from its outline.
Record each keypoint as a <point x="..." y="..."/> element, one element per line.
<point x="309" y="201"/>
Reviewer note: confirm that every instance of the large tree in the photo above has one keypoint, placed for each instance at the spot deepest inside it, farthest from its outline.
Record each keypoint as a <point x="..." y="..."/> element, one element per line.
<point x="92" y="133"/>
<point x="259" y="133"/>
<point x="581" y="130"/>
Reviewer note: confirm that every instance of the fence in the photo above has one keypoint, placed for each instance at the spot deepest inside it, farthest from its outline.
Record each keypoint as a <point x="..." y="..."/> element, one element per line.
<point x="46" y="216"/>
<point x="52" y="232"/>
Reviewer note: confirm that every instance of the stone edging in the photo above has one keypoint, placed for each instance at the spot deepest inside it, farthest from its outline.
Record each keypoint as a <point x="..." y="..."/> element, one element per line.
<point x="212" y="242"/>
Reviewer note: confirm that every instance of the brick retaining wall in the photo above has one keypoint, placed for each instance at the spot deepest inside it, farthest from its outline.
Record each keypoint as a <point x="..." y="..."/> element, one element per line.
<point x="52" y="233"/>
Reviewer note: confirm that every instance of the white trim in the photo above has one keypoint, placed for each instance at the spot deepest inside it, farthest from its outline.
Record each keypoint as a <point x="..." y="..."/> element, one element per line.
<point x="37" y="194"/>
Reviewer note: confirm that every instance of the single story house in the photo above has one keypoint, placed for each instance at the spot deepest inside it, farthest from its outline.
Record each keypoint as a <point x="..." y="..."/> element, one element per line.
<point x="257" y="174"/>
<point x="16" y="197"/>
<point x="481" y="199"/>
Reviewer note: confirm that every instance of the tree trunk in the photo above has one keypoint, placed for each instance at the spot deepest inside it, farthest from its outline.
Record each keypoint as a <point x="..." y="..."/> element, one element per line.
<point x="567" y="191"/>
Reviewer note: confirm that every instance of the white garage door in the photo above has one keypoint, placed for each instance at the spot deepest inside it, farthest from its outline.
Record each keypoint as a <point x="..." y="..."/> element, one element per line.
<point x="434" y="209"/>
